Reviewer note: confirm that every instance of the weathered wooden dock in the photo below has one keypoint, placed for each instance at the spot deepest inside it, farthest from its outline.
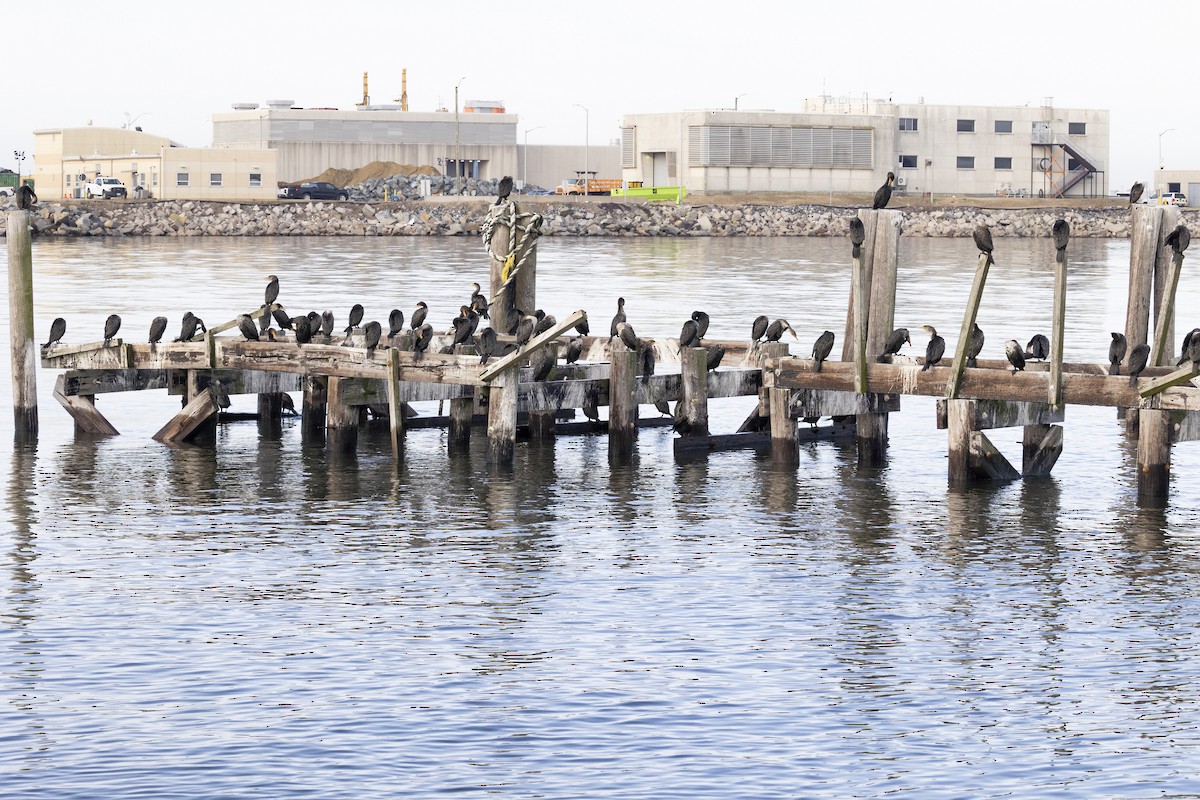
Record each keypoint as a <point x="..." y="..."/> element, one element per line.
<point x="341" y="379"/>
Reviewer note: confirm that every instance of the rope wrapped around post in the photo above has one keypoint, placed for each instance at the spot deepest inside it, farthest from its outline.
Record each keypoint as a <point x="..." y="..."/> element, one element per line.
<point x="524" y="228"/>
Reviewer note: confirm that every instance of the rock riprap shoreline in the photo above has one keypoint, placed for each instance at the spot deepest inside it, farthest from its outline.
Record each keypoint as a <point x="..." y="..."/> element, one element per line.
<point x="564" y="218"/>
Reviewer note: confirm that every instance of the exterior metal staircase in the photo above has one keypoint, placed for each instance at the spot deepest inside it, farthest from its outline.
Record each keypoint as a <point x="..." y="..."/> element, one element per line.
<point x="1085" y="164"/>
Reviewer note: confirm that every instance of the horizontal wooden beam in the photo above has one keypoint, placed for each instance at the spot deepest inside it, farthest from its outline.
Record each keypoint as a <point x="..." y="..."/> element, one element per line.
<point x="825" y="403"/>
<point x="991" y="414"/>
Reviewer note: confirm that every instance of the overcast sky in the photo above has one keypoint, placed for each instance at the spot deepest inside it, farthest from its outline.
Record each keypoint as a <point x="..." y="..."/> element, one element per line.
<point x="168" y="66"/>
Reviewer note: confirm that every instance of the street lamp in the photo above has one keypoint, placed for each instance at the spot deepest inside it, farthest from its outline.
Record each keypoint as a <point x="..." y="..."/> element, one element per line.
<point x="586" y="184"/>
<point x="19" y="155"/>
<point x="457" y="143"/>
<point x="1158" y="177"/>
<point x="525" y="171"/>
<point x="735" y="100"/>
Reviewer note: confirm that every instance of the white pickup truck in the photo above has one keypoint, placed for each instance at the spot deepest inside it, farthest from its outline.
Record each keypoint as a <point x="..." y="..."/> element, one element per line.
<point x="104" y="187"/>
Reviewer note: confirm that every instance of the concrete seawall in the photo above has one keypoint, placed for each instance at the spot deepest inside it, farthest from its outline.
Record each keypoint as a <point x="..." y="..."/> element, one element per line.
<point x="459" y="218"/>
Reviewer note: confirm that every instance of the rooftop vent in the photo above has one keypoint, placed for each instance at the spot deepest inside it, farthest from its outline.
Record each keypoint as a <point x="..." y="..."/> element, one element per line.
<point x="245" y="106"/>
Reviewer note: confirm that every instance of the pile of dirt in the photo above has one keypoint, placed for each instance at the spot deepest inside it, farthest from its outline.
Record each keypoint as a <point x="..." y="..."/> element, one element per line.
<point x="376" y="169"/>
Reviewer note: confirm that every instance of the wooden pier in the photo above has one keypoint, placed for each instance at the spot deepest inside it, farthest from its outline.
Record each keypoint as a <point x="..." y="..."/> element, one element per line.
<point x="341" y="379"/>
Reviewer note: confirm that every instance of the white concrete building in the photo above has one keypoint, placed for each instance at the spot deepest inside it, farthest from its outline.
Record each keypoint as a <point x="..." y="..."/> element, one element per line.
<point x="842" y="145"/>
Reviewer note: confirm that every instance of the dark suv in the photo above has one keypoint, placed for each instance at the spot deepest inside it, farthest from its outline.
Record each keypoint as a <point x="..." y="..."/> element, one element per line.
<point x="318" y="190"/>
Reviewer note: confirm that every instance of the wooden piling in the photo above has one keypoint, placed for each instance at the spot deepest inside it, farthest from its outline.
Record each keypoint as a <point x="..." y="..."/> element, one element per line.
<point x="693" y="370"/>
<point x="1041" y="445"/>
<point x="23" y="347"/>
<point x="514" y="236"/>
<point x="541" y="423"/>
<point x="783" y="427"/>
<point x="1166" y="277"/>
<point x="1058" y="327"/>
<point x="312" y="408"/>
<point x="1153" y="456"/>
<point x="502" y="416"/>
<point x="968" y="327"/>
<point x="395" y="405"/>
<point x="341" y="419"/>
<point x="462" y="411"/>
<point x="870" y="429"/>
<point x="1143" y="253"/>
<point x="622" y="403"/>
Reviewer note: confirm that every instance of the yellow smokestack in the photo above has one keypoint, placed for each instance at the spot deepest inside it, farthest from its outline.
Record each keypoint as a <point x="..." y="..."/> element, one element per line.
<point x="366" y="101"/>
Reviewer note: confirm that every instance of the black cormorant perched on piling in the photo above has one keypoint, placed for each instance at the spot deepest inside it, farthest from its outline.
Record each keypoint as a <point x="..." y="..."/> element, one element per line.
<point x="542" y="363"/>
<point x="712" y="359"/>
<point x="582" y="327"/>
<point x="487" y="346"/>
<point x="395" y="322"/>
<point x="418" y="315"/>
<point x="461" y="328"/>
<point x="627" y="335"/>
<point x="371" y="334"/>
<point x="284" y="321"/>
<point x="326" y="323"/>
<point x="246" y="325"/>
<point x="1190" y="340"/>
<point x="356" y="315"/>
<point x="1135" y="192"/>
<point x="272" y="291"/>
<point x="689" y="336"/>
<point x="645" y="355"/>
<point x="1016" y="356"/>
<point x="1038" y="347"/>
<point x="1179" y="239"/>
<point x="821" y="349"/>
<point x="759" y="329"/>
<point x="983" y="240"/>
<point x="858" y="234"/>
<point x="158" y="326"/>
<point x="884" y="194"/>
<point x="25" y="197"/>
<point x="111" y="326"/>
<point x="896" y="339"/>
<point x="1191" y="350"/>
<point x="701" y="320"/>
<point x="544" y="322"/>
<point x="525" y="328"/>
<point x="504" y="189"/>
<point x="574" y="349"/>
<point x="188" y="329"/>
<point x="1116" y="352"/>
<point x="1138" y="359"/>
<point x="775" y="330"/>
<point x="424" y="336"/>
<point x="1061" y="233"/>
<point x="302" y="329"/>
<point x="288" y="405"/>
<point x="935" y="349"/>
<point x="975" y="345"/>
<point x="314" y="322"/>
<point x="618" y="318"/>
<point x="57" y="329"/>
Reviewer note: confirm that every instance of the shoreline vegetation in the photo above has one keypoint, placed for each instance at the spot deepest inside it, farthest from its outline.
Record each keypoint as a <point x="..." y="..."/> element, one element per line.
<point x="756" y="214"/>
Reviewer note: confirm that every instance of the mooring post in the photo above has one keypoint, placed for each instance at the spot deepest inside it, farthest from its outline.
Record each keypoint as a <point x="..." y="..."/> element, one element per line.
<point x="462" y="411"/>
<point x="395" y="404"/>
<point x="865" y="263"/>
<point x="622" y="403"/>
<point x="502" y="416"/>
<point x="783" y="427"/>
<point x="312" y="405"/>
<point x="960" y="423"/>
<point x="1058" y="326"/>
<point x="968" y="327"/>
<point x="1166" y="277"/>
<point x="1153" y="456"/>
<point x="22" y="341"/>
<point x="693" y="368"/>
<point x="871" y="429"/>
<point x="1143" y="254"/>
<point x="511" y="238"/>
<point x="341" y="420"/>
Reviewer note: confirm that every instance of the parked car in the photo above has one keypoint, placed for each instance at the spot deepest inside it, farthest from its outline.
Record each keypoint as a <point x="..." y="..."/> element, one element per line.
<point x="317" y="190"/>
<point x="7" y="191"/>
<point x="105" y="187"/>
<point x="1172" y="199"/>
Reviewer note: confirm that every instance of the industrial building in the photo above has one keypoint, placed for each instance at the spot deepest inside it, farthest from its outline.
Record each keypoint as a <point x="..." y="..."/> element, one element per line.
<point x="844" y="145"/>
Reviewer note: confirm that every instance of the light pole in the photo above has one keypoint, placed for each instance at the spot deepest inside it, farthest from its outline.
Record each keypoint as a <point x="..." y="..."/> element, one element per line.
<point x="1158" y="177"/>
<point x="457" y="143"/>
<point x="586" y="185"/>
<point x="525" y="171"/>
<point x="19" y="155"/>
<point x="735" y="101"/>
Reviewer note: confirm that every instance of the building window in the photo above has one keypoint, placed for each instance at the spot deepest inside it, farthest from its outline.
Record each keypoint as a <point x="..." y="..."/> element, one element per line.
<point x="966" y="162"/>
<point x="1173" y="187"/>
<point x="908" y="162"/>
<point x="1003" y="162"/>
<point x="153" y="178"/>
<point x="1004" y="126"/>
<point x="908" y="123"/>
<point x="1072" y="165"/>
<point x="1077" y="128"/>
<point x="181" y="179"/>
<point x="255" y="180"/>
<point x="68" y="180"/>
<point x="214" y="179"/>
<point x="966" y="126"/>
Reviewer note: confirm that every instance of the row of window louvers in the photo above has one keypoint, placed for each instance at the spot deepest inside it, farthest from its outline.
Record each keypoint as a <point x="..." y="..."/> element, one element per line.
<point x="755" y="146"/>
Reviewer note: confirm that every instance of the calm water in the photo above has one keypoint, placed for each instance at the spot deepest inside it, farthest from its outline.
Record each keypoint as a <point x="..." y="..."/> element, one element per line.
<point x="255" y="620"/>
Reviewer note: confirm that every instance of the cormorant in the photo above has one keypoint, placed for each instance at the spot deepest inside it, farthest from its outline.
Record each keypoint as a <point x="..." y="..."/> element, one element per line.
<point x="935" y="349"/>
<point x="512" y="318"/>
<point x="303" y="330"/>
<point x="200" y="324"/>
<point x="356" y="315"/>
<point x="158" y="326"/>
<point x="284" y="321"/>
<point x="775" y="330"/>
<point x="1189" y="339"/>
<point x="591" y="408"/>
<point x="822" y="348"/>
<point x="1061" y="232"/>
<point x="1179" y="239"/>
<point x="286" y="402"/>
<point x="618" y="318"/>
<point x="57" y="329"/>
<point x="504" y="190"/>
<point x="326" y="323"/>
<point x="461" y="327"/>
<point x="190" y="321"/>
<point x="884" y="193"/>
<point x="314" y="322"/>
<point x="418" y="316"/>
<point x="646" y="359"/>
<point x="582" y="327"/>
<point x="983" y="240"/>
<point x="1038" y="347"/>
<point x="1016" y="356"/>
<point x="896" y="339"/>
<point x="716" y="352"/>
<point x="423" y="338"/>
<point x="681" y="424"/>
<point x="690" y="335"/>
<point x="628" y="336"/>
<point x="479" y="305"/>
<point x="545" y="322"/>
<point x="25" y="196"/>
<point x="111" y="326"/>
<point x="371" y="334"/>
<point x="574" y="349"/>
<point x="701" y="320"/>
<point x="525" y="329"/>
<point x="395" y="322"/>
<point x="272" y="292"/>
<point x="1116" y="351"/>
<point x="1135" y="192"/>
<point x="247" y="327"/>
<point x="264" y="319"/>
<point x="975" y="345"/>
<point x="487" y="345"/>
<point x="663" y="407"/>
<point x="1138" y="359"/>
<point x="1192" y="350"/>
<point x="543" y="362"/>
<point x="759" y="328"/>
<point x="858" y="234"/>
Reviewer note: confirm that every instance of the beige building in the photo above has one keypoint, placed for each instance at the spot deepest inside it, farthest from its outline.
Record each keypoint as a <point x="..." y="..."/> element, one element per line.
<point x="65" y="159"/>
<point x="843" y="145"/>
<point x="1186" y="181"/>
